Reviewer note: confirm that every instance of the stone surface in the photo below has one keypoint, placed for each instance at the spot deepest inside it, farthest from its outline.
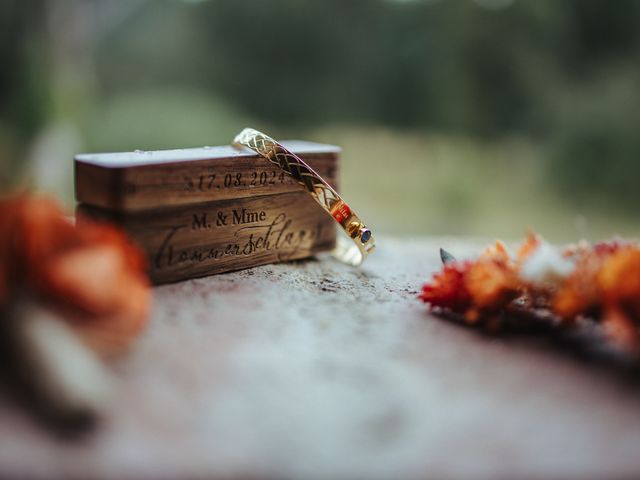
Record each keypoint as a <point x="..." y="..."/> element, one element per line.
<point x="318" y="370"/>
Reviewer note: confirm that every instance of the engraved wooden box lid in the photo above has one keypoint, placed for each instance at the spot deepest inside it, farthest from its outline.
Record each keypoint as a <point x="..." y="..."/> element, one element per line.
<point x="201" y="211"/>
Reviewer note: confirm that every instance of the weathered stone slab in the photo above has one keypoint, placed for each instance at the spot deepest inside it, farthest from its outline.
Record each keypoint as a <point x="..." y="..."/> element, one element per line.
<point x="318" y="370"/>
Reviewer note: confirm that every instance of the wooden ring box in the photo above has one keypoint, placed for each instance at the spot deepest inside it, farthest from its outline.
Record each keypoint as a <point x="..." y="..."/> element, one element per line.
<point x="202" y="211"/>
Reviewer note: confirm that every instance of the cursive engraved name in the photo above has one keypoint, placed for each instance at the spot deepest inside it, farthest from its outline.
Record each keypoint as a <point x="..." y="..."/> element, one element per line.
<point x="278" y="235"/>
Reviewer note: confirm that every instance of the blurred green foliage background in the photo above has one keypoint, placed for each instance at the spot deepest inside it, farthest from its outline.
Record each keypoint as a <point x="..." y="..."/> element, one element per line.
<point x="476" y="117"/>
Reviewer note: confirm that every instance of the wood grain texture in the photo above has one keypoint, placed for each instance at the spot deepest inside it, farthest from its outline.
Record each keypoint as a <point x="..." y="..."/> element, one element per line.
<point x="204" y="239"/>
<point x="131" y="181"/>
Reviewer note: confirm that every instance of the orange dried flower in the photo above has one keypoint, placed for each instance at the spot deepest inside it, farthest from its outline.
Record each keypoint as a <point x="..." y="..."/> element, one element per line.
<point x="579" y="294"/>
<point x="492" y="284"/>
<point x="471" y="287"/>
<point x="619" y="282"/>
<point x="530" y="245"/>
<point x="605" y="285"/>
<point x="448" y="288"/>
<point x="93" y="273"/>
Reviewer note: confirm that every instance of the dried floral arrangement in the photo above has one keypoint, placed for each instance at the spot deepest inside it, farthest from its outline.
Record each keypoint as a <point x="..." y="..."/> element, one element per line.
<point x="540" y="283"/>
<point x="68" y="297"/>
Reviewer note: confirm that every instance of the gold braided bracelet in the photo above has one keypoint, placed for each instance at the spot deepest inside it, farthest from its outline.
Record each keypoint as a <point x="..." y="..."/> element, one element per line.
<point x="319" y="189"/>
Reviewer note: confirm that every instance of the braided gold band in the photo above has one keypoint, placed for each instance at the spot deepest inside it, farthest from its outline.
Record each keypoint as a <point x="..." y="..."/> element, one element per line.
<point x="320" y="190"/>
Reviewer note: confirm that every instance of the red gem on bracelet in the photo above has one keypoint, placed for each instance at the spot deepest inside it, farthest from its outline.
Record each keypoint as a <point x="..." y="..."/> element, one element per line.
<point x="341" y="212"/>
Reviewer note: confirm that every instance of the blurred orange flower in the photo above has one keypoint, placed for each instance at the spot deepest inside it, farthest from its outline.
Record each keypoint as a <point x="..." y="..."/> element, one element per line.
<point x="605" y="283"/>
<point x="93" y="273"/>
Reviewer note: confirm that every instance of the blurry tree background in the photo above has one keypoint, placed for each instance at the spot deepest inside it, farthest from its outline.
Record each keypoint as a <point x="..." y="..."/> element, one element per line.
<point x="477" y="117"/>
